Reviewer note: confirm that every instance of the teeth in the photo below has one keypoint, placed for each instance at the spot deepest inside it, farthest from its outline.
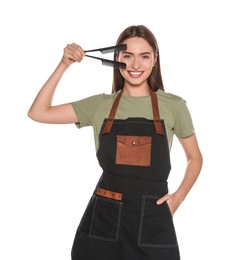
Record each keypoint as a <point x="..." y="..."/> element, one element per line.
<point x="135" y="73"/>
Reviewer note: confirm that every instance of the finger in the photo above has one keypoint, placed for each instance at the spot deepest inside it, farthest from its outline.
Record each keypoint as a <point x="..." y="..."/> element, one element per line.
<point x="72" y="55"/>
<point x="74" y="52"/>
<point x="163" y="199"/>
<point x="79" y="48"/>
<point x="76" y="48"/>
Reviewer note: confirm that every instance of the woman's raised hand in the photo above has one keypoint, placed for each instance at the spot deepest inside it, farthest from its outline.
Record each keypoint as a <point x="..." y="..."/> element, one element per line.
<point x="72" y="53"/>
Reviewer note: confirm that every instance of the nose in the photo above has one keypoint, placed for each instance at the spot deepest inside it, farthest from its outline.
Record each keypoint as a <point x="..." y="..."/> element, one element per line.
<point x="135" y="63"/>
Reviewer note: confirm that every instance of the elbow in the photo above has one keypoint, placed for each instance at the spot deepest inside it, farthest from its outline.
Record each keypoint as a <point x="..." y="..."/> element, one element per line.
<point x="197" y="160"/>
<point x="30" y="114"/>
<point x="200" y="158"/>
<point x="200" y="161"/>
<point x="34" y="116"/>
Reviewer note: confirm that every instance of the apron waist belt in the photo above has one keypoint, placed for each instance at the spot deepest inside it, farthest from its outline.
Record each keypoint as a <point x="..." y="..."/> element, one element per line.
<point x="121" y="188"/>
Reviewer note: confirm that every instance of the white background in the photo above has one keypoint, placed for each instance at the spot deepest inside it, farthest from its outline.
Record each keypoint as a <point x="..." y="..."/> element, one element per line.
<point x="48" y="172"/>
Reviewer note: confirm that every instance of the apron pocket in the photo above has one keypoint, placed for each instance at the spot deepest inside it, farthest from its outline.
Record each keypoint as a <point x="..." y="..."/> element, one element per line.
<point x="133" y="150"/>
<point x="105" y="220"/>
<point x="156" y="227"/>
<point x="85" y="223"/>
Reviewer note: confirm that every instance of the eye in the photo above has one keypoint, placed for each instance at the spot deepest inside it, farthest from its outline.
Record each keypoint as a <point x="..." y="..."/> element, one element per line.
<point x="146" y="57"/>
<point x="127" y="56"/>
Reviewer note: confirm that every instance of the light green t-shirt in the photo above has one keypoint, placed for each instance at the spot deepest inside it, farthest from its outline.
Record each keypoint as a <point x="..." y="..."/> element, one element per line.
<point x="93" y="110"/>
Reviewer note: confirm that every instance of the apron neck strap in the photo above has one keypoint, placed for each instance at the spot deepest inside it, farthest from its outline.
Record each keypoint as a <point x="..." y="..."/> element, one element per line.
<point x="156" y="116"/>
<point x="111" y="117"/>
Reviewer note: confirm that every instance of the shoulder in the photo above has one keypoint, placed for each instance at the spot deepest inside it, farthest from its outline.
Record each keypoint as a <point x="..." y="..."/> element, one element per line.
<point x="169" y="99"/>
<point x="168" y="96"/>
<point x="95" y="99"/>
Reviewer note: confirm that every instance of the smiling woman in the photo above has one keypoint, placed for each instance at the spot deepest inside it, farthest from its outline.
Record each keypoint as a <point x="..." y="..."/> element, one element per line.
<point x="140" y="59"/>
<point x="145" y="50"/>
<point x="130" y="212"/>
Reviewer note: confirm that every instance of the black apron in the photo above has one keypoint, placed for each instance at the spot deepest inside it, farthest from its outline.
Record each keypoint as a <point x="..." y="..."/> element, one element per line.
<point x="122" y="220"/>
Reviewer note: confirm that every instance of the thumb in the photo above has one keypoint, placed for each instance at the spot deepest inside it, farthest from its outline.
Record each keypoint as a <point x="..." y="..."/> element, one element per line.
<point x="163" y="199"/>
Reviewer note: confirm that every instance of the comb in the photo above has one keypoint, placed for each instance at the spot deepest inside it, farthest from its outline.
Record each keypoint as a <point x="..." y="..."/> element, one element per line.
<point x="110" y="49"/>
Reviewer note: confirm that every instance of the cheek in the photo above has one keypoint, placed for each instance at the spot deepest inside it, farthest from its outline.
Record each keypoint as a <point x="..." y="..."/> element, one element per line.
<point x="123" y="73"/>
<point x="149" y="65"/>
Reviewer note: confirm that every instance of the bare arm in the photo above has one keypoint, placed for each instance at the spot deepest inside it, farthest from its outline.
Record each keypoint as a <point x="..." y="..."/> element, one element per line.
<point x="194" y="165"/>
<point x="42" y="109"/>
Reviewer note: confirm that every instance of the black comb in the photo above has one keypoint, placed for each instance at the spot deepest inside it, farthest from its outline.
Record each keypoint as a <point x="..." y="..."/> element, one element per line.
<point x="106" y="62"/>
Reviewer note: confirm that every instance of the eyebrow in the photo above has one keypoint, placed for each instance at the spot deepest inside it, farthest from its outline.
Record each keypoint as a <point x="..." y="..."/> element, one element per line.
<point x="143" y="53"/>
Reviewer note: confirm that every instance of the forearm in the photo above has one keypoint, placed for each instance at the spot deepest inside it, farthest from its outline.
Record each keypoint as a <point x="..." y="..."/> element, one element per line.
<point x="192" y="172"/>
<point x="42" y="109"/>
<point x="44" y="98"/>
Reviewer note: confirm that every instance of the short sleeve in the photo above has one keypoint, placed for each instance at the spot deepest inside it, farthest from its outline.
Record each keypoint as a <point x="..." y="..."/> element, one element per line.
<point x="183" y="126"/>
<point x="85" y="109"/>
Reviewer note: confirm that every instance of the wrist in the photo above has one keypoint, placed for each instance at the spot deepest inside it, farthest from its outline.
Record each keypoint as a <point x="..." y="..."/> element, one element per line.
<point x="63" y="65"/>
<point x="180" y="195"/>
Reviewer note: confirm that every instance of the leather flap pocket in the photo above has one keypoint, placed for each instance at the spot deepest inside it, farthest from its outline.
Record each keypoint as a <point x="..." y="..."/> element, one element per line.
<point x="133" y="141"/>
<point x="133" y="150"/>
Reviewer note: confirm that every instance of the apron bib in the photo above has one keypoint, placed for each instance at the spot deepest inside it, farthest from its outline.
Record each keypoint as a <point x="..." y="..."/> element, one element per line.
<point x="122" y="220"/>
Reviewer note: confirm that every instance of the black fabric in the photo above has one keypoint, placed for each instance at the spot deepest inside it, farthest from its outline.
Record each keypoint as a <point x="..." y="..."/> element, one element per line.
<point x="160" y="160"/>
<point x="135" y="228"/>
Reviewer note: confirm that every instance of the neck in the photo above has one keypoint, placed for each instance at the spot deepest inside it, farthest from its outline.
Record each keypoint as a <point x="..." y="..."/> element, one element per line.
<point x="136" y="91"/>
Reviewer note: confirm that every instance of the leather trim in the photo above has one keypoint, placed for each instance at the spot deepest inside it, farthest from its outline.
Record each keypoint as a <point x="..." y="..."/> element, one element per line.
<point x="109" y="194"/>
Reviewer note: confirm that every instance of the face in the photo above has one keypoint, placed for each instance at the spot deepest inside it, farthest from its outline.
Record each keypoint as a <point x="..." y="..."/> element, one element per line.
<point x="140" y="59"/>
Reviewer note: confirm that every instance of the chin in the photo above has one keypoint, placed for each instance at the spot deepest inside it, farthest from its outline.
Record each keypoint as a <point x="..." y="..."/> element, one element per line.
<point x="136" y="84"/>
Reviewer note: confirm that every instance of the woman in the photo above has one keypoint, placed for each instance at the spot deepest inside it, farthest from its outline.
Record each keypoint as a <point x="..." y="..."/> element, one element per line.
<point x="129" y="215"/>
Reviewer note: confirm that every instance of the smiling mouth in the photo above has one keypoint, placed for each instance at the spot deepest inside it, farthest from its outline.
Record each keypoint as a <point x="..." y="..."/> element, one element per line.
<point x="135" y="74"/>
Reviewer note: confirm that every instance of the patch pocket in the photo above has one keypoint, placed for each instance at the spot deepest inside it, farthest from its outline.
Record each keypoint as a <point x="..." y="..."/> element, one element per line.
<point x="156" y="227"/>
<point x="105" y="223"/>
<point x="85" y="223"/>
<point x="133" y="150"/>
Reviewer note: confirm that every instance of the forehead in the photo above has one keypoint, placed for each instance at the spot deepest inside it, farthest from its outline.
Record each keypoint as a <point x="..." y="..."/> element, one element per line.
<point x="138" y="45"/>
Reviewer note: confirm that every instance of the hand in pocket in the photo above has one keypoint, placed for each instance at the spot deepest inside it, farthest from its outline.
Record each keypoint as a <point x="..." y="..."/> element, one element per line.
<point x="171" y="200"/>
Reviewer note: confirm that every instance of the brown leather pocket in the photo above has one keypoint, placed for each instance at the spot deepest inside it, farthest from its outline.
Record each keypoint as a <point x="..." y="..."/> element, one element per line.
<point x="133" y="150"/>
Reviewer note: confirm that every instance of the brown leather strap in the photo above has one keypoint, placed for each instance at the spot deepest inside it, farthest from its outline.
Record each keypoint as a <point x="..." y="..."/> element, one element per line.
<point x="156" y="116"/>
<point x="110" y="120"/>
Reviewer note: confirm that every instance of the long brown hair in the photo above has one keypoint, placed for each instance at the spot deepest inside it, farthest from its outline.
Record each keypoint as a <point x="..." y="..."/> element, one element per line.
<point x="155" y="81"/>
